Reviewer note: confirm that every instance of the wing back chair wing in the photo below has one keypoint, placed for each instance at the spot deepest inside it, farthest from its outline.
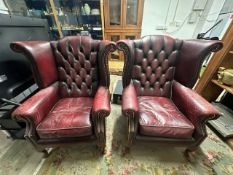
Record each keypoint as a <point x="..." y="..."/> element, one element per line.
<point x="157" y="76"/>
<point x="73" y="99"/>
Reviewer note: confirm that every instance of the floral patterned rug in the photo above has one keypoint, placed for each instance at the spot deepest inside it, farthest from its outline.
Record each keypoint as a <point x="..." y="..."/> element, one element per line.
<point x="214" y="156"/>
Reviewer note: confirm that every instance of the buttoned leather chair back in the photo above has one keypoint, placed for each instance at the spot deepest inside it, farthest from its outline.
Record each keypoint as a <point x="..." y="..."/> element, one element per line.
<point x="78" y="66"/>
<point x="154" y="65"/>
<point x="158" y="74"/>
<point x="73" y="98"/>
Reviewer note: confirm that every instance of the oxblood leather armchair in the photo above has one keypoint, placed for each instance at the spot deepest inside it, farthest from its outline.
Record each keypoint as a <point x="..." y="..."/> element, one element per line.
<point x="157" y="100"/>
<point x="73" y="100"/>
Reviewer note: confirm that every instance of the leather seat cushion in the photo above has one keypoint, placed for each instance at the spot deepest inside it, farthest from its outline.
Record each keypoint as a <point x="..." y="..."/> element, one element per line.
<point x="70" y="117"/>
<point x="158" y="116"/>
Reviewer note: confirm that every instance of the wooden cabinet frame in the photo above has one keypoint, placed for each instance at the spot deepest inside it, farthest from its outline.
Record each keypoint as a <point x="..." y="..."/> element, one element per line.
<point x="208" y="86"/>
<point x="107" y="16"/>
<point x="139" y="15"/>
<point x="123" y="29"/>
<point x="136" y="34"/>
<point x="123" y="12"/>
<point x="116" y="66"/>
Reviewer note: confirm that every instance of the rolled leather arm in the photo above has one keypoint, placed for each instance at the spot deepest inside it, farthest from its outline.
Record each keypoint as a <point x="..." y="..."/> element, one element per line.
<point x="104" y="43"/>
<point x="127" y="46"/>
<point x="191" y="104"/>
<point x="101" y="101"/>
<point x="38" y="106"/>
<point x="105" y="48"/>
<point x="129" y="99"/>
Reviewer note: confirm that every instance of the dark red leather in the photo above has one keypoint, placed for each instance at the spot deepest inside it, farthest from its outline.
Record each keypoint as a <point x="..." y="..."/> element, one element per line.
<point x="77" y="62"/>
<point x="38" y="106"/>
<point x="158" y="116"/>
<point x="70" y="117"/>
<point x="129" y="99"/>
<point x="154" y="65"/>
<point x="101" y="100"/>
<point x="127" y="46"/>
<point x="41" y="56"/>
<point x="105" y="48"/>
<point x="192" y="105"/>
<point x="162" y="109"/>
<point x="192" y="55"/>
<point x="78" y="67"/>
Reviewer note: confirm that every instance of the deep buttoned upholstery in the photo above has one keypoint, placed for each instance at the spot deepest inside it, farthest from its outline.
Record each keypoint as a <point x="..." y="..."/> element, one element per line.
<point x="73" y="99"/>
<point x="158" y="73"/>
<point x="154" y="65"/>
<point x="77" y="65"/>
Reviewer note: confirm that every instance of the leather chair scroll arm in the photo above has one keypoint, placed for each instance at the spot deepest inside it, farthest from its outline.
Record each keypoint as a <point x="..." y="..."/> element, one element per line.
<point x="130" y="109"/>
<point x="129" y="99"/>
<point x="101" y="109"/>
<point x="191" y="104"/>
<point x="127" y="47"/>
<point x="105" y="48"/>
<point x="101" y="103"/>
<point x="105" y="43"/>
<point x="38" y="106"/>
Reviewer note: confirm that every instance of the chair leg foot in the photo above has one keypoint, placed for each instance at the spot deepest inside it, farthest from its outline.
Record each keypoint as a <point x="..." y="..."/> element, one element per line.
<point x="130" y="140"/>
<point x="101" y="148"/>
<point x="125" y="151"/>
<point x="45" y="153"/>
<point x="189" y="154"/>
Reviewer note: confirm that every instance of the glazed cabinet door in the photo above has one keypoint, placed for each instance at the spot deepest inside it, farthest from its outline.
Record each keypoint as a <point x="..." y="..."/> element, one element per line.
<point x="113" y="13"/>
<point x="132" y="10"/>
<point x="131" y="35"/>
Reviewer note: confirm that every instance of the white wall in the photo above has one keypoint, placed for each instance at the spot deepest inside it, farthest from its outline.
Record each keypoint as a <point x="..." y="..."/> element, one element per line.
<point x="154" y="14"/>
<point x="3" y="8"/>
<point x="225" y="16"/>
<point x="177" y="22"/>
<point x="209" y="18"/>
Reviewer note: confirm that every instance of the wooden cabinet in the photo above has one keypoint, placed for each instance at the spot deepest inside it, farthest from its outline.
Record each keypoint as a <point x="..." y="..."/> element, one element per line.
<point x="123" y="20"/>
<point x="208" y="85"/>
<point x="117" y="55"/>
<point x="125" y="14"/>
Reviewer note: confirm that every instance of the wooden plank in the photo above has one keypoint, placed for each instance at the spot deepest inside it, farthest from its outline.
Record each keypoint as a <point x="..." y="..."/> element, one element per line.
<point x="215" y="61"/>
<point x="102" y="17"/>
<point x="212" y="92"/>
<point x="56" y="18"/>
<point x="227" y="88"/>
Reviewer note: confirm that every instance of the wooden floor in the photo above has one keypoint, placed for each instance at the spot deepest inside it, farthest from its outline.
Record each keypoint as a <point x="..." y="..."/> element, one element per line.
<point x="18" y="157"/>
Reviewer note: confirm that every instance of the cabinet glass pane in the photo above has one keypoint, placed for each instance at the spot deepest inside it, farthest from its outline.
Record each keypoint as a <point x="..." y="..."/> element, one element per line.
<point x="114" y="55"/>
<point x="130" y="37"/>
<point x="115" y="38"/>
<point x="132" y="12"/>
<point x="115" y="12"/>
